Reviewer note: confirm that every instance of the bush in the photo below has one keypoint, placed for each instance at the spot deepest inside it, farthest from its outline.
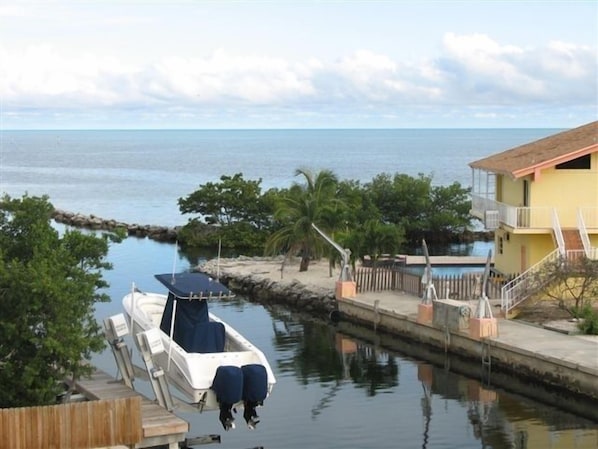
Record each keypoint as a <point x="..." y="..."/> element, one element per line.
<point x="589" y="320"/>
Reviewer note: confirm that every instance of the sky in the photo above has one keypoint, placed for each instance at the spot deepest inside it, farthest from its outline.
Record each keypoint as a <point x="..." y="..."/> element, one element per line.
<point x="297" y="64"/>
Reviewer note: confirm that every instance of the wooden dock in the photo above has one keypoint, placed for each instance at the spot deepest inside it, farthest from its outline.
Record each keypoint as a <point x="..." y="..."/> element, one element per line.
<point x="160" y="427"/>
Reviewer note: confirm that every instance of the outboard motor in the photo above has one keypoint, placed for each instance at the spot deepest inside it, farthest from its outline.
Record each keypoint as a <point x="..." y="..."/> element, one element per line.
<point x="255" y="390"/>
<point x="228" y="386"/>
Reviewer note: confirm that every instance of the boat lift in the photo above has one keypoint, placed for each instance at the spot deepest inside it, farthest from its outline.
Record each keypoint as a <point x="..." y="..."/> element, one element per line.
<point x="115" y="328"/>
<point x="483" y="309"/>
<point x="429" y="290"/>
<point x="345" y="274"/>
<point x="150" y="343"/>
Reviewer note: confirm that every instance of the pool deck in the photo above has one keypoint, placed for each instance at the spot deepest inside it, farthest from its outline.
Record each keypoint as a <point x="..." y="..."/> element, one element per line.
<point x="552" y="357"/>
<point x="448" y="260"/>
<point x="438" y="261"/>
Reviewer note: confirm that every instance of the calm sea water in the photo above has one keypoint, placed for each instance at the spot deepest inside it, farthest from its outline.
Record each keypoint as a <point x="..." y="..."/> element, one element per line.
<point x="338" y="386"/>
<point x="137" y="176"/>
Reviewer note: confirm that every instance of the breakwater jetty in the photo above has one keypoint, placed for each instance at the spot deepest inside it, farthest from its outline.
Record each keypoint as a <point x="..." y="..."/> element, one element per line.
<point x="93" y="222"/>
<point x="563" y="363"/>
<point x="170" y="233"/>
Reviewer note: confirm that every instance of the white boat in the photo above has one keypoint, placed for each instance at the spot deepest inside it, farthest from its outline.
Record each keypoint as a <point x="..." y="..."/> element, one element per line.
<point x="209" y="361"/>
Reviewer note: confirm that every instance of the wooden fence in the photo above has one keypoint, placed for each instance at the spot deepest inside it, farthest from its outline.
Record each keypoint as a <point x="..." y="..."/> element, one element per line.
<point x="76" y="425"/>
<point x="464" y="286"/>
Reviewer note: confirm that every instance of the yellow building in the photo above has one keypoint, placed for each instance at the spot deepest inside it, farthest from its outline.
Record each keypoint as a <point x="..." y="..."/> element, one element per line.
<point x="541" y="199"/>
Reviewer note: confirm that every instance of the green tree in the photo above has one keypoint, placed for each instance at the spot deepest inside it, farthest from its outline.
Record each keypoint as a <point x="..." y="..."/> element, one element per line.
<point x="422" y="210"/>
<point x="358" y="205"/>
<point x="401" y="199"/>
<point x="232" y="211"/>
<point x="373" y="239"/>
<point x="48" y="287"/>
<point x="380" y="238"/>
<point x="299" y="207"/>
<point x="449" y="210"/>
<point x="231" y="200"/>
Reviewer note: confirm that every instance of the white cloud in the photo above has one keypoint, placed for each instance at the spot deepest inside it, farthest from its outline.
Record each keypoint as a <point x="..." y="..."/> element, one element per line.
<point x="486" y="71"/>
<point x="471" y="70"/>
<point x="569" y="61"/>
<point x="41" y="77"/>
<point x="12" y="11"/>
<point x="490" y="66"/>
<point x="225" y="77"/>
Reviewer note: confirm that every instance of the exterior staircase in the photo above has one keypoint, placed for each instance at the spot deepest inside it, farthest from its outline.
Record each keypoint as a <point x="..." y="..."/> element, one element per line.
<point x="571" y="243"/>
<point x="572" y="239"/>
<point x="523" y="286"/>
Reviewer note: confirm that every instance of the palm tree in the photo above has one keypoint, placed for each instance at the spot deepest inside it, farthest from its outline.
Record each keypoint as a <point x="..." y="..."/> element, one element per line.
<point x="303" y="205"/>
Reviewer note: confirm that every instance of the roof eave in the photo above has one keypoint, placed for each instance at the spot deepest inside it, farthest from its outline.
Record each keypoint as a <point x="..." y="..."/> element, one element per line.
<point x="537" y="168"/>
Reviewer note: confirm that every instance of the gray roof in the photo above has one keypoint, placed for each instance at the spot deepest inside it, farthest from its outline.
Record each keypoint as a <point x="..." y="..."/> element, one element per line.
<point x="544" y="153"/>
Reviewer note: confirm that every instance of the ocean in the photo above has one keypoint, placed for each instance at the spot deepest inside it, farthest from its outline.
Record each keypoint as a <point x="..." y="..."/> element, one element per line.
<point x="138" y="176"/>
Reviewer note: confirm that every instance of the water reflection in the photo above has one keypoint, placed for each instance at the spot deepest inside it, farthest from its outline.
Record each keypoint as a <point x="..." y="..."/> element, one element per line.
<point x="318" y="352"/>
<point x="315" y="352"/>
<point x="500" y="419"/>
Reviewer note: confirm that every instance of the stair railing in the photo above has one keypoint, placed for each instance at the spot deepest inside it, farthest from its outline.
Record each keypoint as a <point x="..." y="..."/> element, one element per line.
<point x="558" y="233"/>
<point x="523" y="286"/>
<point x="583" y="232"/>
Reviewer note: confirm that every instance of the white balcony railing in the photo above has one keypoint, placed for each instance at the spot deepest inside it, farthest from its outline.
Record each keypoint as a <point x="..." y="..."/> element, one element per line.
<point x="515" y="217"/>
<point x="558" y="232"/>
<point x="589" y="216"/>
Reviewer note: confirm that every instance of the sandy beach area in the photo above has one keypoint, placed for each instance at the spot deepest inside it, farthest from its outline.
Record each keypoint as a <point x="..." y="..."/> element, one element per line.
<point x="317" y="277"/>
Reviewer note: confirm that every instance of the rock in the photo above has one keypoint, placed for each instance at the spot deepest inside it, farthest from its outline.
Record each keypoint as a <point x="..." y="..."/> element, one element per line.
<point x="160" y="233"/>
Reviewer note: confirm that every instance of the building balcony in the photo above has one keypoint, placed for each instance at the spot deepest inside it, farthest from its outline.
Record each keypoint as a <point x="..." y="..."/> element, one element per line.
<point x="530" y="219"/>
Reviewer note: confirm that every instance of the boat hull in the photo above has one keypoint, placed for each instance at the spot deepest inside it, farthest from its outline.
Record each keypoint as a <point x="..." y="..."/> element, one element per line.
<point x="191" y="373"/>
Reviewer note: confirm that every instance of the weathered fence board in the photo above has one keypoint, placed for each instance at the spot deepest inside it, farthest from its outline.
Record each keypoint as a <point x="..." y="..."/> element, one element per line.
<point x="76" y="425"/>
<point x="465" y="286"/>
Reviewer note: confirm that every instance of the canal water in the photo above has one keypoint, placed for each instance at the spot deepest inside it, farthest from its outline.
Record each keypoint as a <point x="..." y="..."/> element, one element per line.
<point x="345" y="386"/>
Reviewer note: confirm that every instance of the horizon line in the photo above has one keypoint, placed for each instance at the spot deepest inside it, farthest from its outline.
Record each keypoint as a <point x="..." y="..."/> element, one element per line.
<point x="284" y="129"/>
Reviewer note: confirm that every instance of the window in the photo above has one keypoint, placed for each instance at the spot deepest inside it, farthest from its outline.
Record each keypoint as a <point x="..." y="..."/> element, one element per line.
<point x="581" y="163"/>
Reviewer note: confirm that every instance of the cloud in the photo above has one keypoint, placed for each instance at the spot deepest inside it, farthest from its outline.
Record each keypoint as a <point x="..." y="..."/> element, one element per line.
<point x="477" y="67"/>
<point x="229" y="78"/>
<point x="472" y="71"/>
<point x="12" y="11"/>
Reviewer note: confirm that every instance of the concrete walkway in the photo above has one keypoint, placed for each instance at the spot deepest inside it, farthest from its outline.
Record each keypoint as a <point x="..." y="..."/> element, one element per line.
<point x="573" y="350"/>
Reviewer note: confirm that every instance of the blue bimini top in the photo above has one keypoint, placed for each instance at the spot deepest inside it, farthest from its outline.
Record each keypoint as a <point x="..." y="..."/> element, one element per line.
<point x="193" y="285"/>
